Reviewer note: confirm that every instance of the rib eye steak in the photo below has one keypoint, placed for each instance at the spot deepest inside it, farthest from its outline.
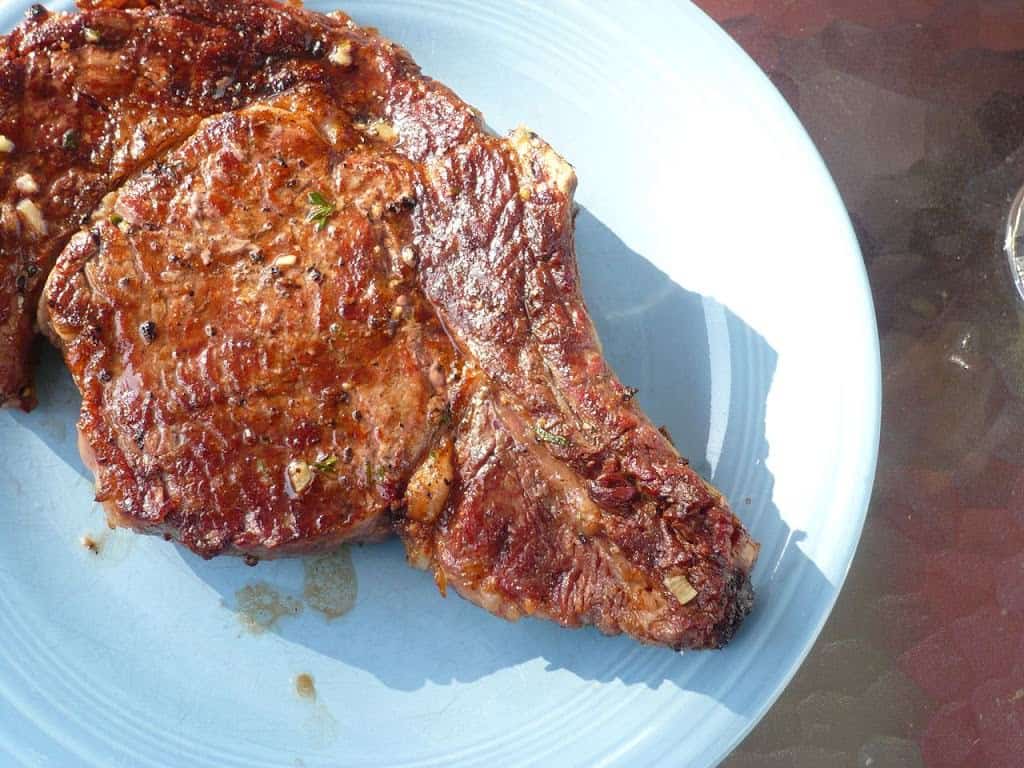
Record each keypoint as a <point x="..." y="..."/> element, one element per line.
<point x="87" y="99"/>
<point x="347" y="310"/>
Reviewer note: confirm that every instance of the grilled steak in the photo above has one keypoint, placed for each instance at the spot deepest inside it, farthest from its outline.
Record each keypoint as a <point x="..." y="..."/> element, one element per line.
<point x="87" y="99"/>
<point x="251" y="380"/>
<point x="347" y="310"/>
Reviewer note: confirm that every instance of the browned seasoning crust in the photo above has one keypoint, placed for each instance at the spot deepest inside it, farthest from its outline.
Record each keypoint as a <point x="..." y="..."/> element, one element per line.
<point x="345" y="310"/>
<point x="87" y="99"/>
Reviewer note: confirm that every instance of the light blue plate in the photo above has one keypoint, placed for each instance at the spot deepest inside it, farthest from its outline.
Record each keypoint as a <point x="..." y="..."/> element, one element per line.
<point x="727" y="285"/>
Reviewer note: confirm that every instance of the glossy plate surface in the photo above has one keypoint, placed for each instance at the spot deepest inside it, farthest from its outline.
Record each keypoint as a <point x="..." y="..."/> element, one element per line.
<point x="727" y="285"/>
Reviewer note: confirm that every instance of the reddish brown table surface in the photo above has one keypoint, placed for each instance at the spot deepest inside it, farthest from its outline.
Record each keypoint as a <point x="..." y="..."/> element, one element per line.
<point x="918" y="108"/>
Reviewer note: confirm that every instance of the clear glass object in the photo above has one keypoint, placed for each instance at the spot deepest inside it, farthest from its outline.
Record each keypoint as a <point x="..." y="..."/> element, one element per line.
<point x="1012" y="244"/>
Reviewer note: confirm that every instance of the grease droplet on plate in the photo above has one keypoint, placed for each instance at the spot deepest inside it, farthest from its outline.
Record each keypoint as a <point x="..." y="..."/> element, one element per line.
<point x="305" y="687"/>
<point x="260" y="606"/>
<point x="331" y="584"/>
<point x="319" y="727"/>
<point x="108" y="547"/>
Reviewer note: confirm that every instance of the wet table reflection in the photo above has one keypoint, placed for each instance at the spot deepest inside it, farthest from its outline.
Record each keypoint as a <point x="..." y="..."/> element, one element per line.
<point x="918" y="109"/>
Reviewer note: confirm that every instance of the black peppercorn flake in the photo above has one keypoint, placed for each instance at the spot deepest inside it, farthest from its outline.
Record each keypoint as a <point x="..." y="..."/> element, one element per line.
<point x="148" y="331"/>
<point x="69" y="140"/>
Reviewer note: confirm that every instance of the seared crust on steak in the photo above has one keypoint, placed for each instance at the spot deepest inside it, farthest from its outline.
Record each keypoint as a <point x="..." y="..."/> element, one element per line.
<point x="598" y="520"/>
<point x="87" y="99"/>
<point x="247" y="383"/>
<point x="346" y="310"/>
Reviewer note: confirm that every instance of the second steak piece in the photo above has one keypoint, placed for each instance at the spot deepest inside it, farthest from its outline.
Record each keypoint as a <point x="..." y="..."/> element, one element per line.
<point x="307" y="326"/>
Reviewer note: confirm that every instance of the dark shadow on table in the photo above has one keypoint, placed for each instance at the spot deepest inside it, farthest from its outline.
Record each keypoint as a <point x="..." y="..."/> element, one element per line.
<point x="656" y="335"/>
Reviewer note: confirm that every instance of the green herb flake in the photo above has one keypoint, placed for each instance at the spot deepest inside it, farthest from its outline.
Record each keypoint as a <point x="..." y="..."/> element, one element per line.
<point x="326" y="464"/>
<point x="116" y="219"/>
<point x="543" y="436"/>
<point x="442" y="417"/>
<point x="321" y="209"/>
<point x="69" y="140"/>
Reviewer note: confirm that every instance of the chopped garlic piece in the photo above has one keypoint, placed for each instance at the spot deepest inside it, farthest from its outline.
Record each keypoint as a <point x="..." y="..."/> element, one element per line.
<point x="91" y="35"/>
<point x="382" y="129"/>
<point x="427" y="492"/>
<point x="331" y="130"/>
<point x="299" y="475"/>
<point x="26" y="184"/>
<point x="32" y="215"/>
<point x="341" y="54"/>
<point x="6" y="145"/>
<point x="747" y="555"/>
<point x="285" y="261"/>
<point x="681" y="588"/>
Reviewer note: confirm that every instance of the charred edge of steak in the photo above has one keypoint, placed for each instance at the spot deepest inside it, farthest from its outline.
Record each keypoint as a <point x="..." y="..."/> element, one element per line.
<point x="739" y="600"/>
